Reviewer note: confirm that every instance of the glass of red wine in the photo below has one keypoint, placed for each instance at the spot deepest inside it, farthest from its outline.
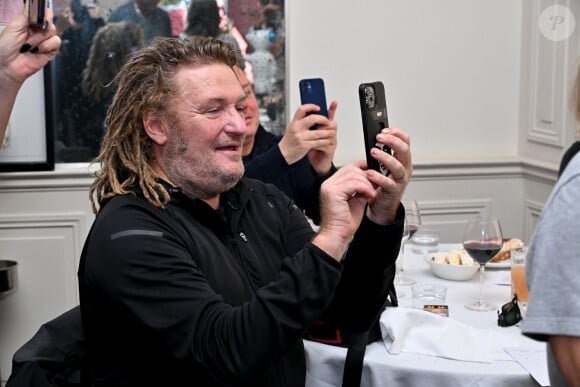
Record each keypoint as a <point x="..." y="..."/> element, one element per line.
<point x="482" y="240"/>
<point x="412" y="223"/>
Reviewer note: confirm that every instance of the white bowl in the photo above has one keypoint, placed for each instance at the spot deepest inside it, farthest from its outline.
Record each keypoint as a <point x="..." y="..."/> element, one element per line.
<point x="452" y="272"/>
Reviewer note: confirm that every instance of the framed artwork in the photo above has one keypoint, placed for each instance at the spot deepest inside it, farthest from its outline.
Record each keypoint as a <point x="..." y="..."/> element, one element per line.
<point x="52" y="122"/>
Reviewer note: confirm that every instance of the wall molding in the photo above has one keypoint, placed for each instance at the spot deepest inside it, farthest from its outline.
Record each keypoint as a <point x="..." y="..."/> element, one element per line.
<point x="498" y="168"/>
<point x="548" y="80"/>
<point x="81" y="175"/>
<point x="73" y="221"/>
<point x="442" y="208"/>
<point x="532" y="211"/>
<point x="74" y="176"/>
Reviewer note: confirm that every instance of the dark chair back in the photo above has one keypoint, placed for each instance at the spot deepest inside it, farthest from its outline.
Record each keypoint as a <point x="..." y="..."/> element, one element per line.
<point x="52" y="357"/>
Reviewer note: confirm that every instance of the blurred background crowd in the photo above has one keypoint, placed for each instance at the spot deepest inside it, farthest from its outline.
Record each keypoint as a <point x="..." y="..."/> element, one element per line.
<point x="98" y="35"/>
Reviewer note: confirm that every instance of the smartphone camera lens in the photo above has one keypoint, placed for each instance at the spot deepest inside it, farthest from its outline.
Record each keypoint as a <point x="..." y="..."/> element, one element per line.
<point x="370" y="97"/>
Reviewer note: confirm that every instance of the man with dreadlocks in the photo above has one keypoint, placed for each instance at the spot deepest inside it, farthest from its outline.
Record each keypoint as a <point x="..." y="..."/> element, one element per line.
<point x="193" y="275"/>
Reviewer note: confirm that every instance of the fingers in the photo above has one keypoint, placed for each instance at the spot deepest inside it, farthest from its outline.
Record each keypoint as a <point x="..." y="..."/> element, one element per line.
<point x="397" y="168"/>
<point x="320" y="121"/>
<point x="310" y="109"/>
<point x="399" y="142"/>
<point x="39" y="37"/>
<point x="332" y="110"/>
<point x="304" y="110"/>
<point x="303" y="121"/>
<point x="39" y="40"/>
<point x="352" y="181"/>
<point x="399" y="163"/>
<point x="49" y="46"/>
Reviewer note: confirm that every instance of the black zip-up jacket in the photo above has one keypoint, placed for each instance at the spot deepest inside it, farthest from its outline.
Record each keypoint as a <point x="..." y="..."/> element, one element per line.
<point x="189" y="296"/>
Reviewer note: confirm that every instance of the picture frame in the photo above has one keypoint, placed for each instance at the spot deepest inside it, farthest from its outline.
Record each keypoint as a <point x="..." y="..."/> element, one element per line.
<point x="29" y="140"/>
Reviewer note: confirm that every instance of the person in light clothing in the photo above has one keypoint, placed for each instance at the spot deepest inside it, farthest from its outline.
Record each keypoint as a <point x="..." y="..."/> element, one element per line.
<point x="552" y="272"/>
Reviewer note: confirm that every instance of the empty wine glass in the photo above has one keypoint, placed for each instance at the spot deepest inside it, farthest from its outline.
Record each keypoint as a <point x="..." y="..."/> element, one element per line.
<point x="412" y="223"/>
<point x="482" y="240"/>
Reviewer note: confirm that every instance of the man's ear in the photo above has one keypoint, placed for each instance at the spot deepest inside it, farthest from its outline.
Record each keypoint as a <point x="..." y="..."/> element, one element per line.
<point x="155" y="128"/>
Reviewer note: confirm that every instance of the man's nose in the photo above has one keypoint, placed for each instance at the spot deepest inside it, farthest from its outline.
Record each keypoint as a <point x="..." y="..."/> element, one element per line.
<point x="236" y="123"/>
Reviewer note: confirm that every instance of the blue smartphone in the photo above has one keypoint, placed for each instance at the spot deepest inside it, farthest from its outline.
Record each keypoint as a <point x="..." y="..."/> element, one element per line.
<point x="373" y="107"/>
<point x="312" y="91"/>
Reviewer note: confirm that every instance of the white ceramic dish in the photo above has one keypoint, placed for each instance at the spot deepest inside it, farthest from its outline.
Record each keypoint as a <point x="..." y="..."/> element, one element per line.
<point x="451" y="272"/>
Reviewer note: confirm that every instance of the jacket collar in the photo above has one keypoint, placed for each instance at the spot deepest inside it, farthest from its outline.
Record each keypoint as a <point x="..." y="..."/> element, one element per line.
<point x="233" y="199"/>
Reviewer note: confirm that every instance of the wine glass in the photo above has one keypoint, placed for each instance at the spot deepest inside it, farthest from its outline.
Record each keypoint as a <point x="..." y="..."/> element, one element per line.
<point x="413" y="217"/>
<point x="482" y="240"/>
<point x="412" y="222"/>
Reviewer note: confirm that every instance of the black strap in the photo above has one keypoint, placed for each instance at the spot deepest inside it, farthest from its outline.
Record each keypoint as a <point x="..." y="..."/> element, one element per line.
<point x="353" y="363"/>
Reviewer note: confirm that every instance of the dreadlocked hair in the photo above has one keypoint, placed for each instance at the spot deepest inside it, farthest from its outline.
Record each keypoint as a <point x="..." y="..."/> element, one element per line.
<point x="146" y="84"/>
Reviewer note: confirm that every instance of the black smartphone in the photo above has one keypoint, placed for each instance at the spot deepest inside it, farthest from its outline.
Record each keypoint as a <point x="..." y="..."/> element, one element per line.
<point x="36" y="13"/>
<point x="312" y="91"/>
<point x="373" y="107"/>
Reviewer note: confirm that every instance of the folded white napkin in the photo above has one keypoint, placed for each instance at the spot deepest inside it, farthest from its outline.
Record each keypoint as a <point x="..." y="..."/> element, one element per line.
<point x="422" y="332"/>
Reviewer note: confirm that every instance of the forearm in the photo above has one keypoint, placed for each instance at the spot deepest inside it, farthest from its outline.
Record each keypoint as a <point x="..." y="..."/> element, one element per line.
<point x="8" y="93"/>
<point x="566" y="350"/>
<point x="369" y="269"/>
<point x="326" y="168"/>
<point x="385" y="216"/>
<point x="326" y="172"/>
<point x="234" y="343"/>
<point x="331" y="244"/>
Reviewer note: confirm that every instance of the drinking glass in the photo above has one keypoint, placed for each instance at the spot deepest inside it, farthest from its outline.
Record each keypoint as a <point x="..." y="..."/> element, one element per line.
<point x="412" y="223"/>
<point x="482" y="240"/>
<point x="413" y="217"/>
<point x="518" y="275"/>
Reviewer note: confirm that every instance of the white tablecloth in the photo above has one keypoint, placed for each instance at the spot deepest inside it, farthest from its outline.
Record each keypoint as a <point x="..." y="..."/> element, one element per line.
<point x="325" y="363"/>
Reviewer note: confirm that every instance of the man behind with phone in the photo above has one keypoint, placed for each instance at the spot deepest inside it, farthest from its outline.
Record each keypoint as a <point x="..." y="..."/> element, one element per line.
<point x="298" y="162"/>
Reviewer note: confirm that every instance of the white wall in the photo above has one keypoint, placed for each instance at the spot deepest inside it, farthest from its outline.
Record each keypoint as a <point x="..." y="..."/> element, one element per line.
<point x="450" y="69"/>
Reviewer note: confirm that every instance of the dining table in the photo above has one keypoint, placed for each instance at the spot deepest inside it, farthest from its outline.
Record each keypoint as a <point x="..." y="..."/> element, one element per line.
<point x="325" y="362"/>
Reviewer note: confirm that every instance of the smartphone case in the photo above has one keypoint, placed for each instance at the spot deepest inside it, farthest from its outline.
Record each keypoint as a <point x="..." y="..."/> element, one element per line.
<point x="312" y="91"/>
<point x="373" y="107"/>
<point x="36" y="12"/>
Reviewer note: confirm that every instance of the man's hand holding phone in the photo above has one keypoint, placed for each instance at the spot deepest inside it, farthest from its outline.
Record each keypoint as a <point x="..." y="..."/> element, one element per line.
<point x="389" y="188"/>
<point x="346" y="193"/>
<point x="299" y="140"/>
